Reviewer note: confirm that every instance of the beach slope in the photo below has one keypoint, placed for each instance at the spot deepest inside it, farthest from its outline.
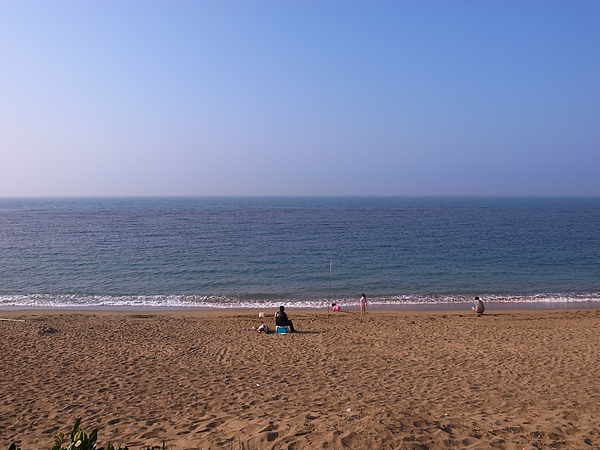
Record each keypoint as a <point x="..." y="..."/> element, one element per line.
<point x="388" y="380"/>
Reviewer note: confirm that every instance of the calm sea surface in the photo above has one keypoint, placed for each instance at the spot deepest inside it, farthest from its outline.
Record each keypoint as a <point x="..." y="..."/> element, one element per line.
<point x="260" y="252"/>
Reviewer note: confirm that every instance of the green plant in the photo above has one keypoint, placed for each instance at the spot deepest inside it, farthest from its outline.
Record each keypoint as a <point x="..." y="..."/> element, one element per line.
<point x="81" y="441"/>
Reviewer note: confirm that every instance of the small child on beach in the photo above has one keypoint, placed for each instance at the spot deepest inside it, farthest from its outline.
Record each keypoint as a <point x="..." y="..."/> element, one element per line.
<point x="363" y="304"/>
<point x="335" y="307"/>
<point x="478" y="307"/>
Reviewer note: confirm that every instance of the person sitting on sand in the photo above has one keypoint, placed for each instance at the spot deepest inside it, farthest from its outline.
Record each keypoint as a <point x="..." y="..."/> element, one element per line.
<point x="335" y="307"/>
<point x="281" y="319"/>
<point x="478" y="307"/>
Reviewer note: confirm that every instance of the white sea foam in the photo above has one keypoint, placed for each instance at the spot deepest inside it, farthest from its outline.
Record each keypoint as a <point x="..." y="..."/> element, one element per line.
<point x="43" y="301"/>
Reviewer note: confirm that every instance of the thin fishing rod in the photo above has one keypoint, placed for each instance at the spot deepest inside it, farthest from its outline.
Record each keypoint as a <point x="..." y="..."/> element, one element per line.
<point x="329" y="293"/>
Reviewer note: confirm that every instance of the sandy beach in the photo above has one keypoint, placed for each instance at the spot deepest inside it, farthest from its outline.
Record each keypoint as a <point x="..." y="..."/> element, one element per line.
<point x="386" y="380"/>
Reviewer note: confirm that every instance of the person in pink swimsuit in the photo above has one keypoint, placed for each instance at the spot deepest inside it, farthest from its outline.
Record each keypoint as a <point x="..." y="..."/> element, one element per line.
<point x="363" y="304"/>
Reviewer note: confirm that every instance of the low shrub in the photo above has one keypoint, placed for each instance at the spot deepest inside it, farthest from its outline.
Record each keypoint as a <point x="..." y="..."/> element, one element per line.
<point x="80" y="440"/>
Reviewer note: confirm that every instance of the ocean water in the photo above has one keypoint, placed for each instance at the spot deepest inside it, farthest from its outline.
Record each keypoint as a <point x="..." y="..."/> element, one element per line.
<point x="305" y="252"/>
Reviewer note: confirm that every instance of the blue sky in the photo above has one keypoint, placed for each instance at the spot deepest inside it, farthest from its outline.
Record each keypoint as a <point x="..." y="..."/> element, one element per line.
<point x="286" y="97"/>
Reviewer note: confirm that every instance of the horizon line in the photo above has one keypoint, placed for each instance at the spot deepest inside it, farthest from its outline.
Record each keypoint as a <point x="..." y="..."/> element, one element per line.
<point x="41" y="197"/>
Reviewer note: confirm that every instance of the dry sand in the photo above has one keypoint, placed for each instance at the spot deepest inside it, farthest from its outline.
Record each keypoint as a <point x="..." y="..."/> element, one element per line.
<point x="206" y="380"/>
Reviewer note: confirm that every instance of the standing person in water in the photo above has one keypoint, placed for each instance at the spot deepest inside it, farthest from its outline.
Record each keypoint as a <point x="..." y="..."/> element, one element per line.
<point x="281" y="319"/>
<point x="363" y="304"/>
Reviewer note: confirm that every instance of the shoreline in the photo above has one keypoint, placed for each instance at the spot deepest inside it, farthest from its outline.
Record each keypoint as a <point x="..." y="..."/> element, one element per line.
<point x="259" y="315"/>
<point x="428" y="307"/>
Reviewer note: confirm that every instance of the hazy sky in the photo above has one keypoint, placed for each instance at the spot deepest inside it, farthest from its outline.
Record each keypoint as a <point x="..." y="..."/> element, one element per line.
<point x="286" y="97"/>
